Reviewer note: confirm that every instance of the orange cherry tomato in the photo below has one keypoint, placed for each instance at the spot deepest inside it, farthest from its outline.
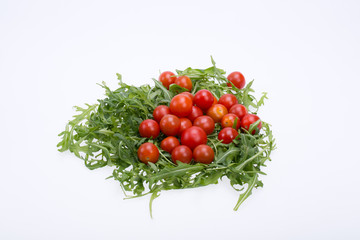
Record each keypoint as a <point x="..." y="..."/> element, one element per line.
<point x="228" y="121"/>
<point x="217" y="112"/>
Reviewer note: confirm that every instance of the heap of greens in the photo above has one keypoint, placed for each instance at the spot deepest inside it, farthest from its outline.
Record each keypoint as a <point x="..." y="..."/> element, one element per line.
<point x="106" y="134"/>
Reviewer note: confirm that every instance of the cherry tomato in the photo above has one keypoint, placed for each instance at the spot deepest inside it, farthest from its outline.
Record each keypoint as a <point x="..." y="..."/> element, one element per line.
<point x="149" y="128"/>
<point x="181" y="153"/>
<point x="184" y="81"/>
<point x="169" y="143"/>
<point x="229" y="119"/>
<point x="239" y="110"/>
<point x="217" y="112"/>
<point x="181" y="105"/>
<point x="203" y="154"/>
<point x="215" y="101"/>
<point x="148" y="152"/>
<point x="227" y="135"/>
<point x="188" y="94"/>
<point x="237" y="79"/>
<point x="167" y="78"/>
<point x="249" y="119"/>
<point x="206" y="123"/>
<point x="160" y="111"/>
<point x="193" y="137"/>
<point x="195" y="112"/>
<point x="185" y="123"/>
<point x="170" y="125"/>
<point x="203" y="99"/>
<point x="228" y="100"/>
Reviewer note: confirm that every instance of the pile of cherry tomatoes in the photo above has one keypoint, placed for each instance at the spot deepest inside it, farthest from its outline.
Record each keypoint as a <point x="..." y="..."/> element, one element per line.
<point x="190" y="118"/>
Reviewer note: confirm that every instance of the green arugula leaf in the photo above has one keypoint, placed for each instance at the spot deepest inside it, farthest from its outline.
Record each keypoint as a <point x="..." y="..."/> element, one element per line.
<point x="106" y="134"/>
<point x="176" y="89"/>
<point x="247" y="193"/>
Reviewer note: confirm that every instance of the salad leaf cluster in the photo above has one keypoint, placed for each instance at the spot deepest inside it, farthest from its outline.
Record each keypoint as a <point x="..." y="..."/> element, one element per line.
<point x="106" y="134"/>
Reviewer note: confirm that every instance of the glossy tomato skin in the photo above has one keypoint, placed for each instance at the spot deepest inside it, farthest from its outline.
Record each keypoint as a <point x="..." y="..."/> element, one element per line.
<point x="188" y="94"/>
<point x="206" y="123"/>
<point x="237" y="79"/>
<point x="229" y="119"/>
<point x="149" y="128"/>
<point x="217" y="112"/>
<point x="148" y="152"/>
<point x="215" y="101"/>
<point x="169" y="143"/>
<point x="239" y="110"/>
<point x="185" y="123"/>
<point x="249" y="119"/>
<point x="203" y="99"/>
<point x="181" y="153"/>
<point x="160" y="111"/>
<point x="184" y="81"/>
<point x="181" y="105"/>
<point x="203" y="154"/>
<point x="167" y="78"/>
<point x="193" y="137"/>
<point x="228" y="100"/>
<point x="170" y="125"/>
<point x="195" y="112"/>
<point x="227" y="135"/>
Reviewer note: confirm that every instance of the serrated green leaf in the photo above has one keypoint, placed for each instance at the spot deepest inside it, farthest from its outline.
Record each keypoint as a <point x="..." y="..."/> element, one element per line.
<point x="247" y="193"/>
<point x="107" y="134"/>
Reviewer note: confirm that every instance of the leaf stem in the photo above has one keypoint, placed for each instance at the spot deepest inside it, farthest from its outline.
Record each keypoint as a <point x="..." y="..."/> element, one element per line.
<point x="167" y="159"/>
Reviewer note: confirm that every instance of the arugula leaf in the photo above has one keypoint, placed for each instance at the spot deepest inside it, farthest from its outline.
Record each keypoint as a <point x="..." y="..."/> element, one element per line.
<point x="176" y="89"/>
<point x="247" y="193"/>
<point x="106" y="134"/>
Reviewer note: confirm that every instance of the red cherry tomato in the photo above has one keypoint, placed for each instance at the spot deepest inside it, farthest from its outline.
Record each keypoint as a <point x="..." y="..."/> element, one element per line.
<point x="195" y="112"/>
<point x="188" y="94"/>
<point x="228" y="100"/>
<point x="184" y="81"/>
<point x="184" y="124"/>
<point x="249" y="119"/>
<point x="203" y="154"/>
<point x="227" y="135"/>
<point x="170" y="125"/>
<point x="160" y="111"/>
<point x="148" y="152"/>
<point x="193" y="137"/>
<point x="169" y="143"/>
<point x="217" y="112"/>
<point x="229" y="119"/>
<point x="181" y="153"/>
<point x="239" y="110"/>
<point x="181" y="105"/>
<point x="203" y="99"/>
<point x="206" y="123"/>
<point x="149" y="128"/>
<point x="167" y="78"/>
<point x="237" y="79"/>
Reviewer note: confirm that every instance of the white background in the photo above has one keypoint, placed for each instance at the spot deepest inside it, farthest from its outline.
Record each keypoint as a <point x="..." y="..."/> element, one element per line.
<point x="305" y="54"/>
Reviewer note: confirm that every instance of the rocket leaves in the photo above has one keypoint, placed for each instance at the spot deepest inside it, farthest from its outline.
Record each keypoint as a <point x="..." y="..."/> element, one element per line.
<point x="106" y="134"/>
